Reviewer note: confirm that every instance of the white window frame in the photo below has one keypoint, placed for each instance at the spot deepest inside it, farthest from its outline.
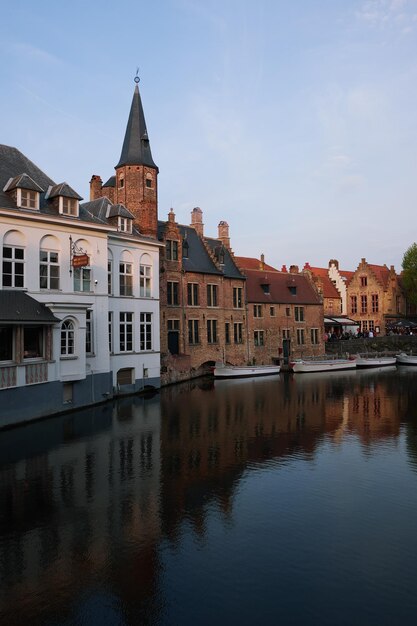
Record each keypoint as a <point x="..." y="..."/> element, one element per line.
<point x="51" y="267"/>
<point x="145" y="280"/>
<point x="126" y="271"/>
<point x="68" y="206"/>
<point x="145" y="332"/>
<point x="82" y="276"/>
<point x="67" y="338"/>
<point x="14" y="262"/>
<point x="126" y="338"/>
<point x="28" y="199"/>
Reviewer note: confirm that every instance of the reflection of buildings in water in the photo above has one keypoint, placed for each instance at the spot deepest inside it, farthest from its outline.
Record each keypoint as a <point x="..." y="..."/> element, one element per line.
<point x="74" y="491"/>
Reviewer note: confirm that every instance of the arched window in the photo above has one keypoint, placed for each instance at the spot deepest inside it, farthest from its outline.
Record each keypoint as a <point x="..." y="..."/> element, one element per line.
<point x="126" y="274"/>
<point x="67" y="338"/>
<point x="13" y="267"/>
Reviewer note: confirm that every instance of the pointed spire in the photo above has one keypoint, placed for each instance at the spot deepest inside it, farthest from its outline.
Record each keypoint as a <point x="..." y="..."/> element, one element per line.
<point x="136" y="148"/>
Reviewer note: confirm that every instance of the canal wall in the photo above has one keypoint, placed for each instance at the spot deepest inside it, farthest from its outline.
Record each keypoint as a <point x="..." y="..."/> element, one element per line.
<point x="388" y="343"/>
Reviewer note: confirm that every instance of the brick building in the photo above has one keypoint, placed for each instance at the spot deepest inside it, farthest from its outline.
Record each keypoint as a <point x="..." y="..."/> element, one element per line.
<point x="375" y="297"/>
<point x="202" y="294"/>
<point x="284" y="312"/>
<point x="340" y="279"/>
<point x="332" y="299"/>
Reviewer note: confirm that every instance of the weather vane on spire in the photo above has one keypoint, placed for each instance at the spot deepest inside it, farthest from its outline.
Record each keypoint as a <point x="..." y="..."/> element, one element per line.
<point x="137" y="79"/>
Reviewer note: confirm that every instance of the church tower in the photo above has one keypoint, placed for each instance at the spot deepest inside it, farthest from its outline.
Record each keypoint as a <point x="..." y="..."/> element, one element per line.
<point x="136" y="184"/>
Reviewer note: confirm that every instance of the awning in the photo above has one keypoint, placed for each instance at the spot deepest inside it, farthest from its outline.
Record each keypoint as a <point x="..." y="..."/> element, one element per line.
<point x="16" y="307"/>
<point x="340" y="321"/>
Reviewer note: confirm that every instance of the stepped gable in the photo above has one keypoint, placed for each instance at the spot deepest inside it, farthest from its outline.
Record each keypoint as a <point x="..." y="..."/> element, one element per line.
<point x="328" y="287"/>
<point x="222" y="253"/>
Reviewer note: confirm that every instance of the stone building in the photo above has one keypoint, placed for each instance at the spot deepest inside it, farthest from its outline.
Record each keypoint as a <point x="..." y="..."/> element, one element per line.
<point x="202" y="300"/>
<point x="375" y="297"/>
<point x="284" y="313"/>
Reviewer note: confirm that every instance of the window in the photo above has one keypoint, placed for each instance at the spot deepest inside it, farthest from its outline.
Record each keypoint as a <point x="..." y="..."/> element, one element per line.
<point x="314" y="335"/>
<point x="110" y="331"/>
<point x="13" y="266"/>
<point x="398" y="304"/>
<point x="126" y="279"/>
<point x="365" y="325"/>
<point x="375" y="303"/>
<point x="227" y="332"/>
<point x="371" y="325"/>
<point x="192" y="294"/>
<point x="272" y="311"/>
<point x="237" y="297"/>
<point x="126" y="332"/>
<point x="121" y="182"/>
<point x="67" y="338"/>
<point x="258" y="338"/>
<point x="6" y="343"/>
<point x="265" y="288"/>
<point x="125" y="224"/>
<point x="353" y="304"/>
<point x="299" y="313"/>
<point x="69" y="206"/>
<point x="330" y="303"/>
<point x="145" y="281"/>
<point x="173" y="293"/>
<point x="171" y="249"/>
<point x="238" y="332"/>
<point x="257" y="310"/>
<point x="288" y="311"/>
<point x="211" y="331"/>
<point x="89" y="346"/>
<point x="82" y="279"/>
<point x="300" y="336"/>
<point x="364" y="281"/>
<point x="109" y="277"/>
<point x="148" y="182"/>
<point x="286" y="333"/>
<point x="293" y="290"/>
<point x="211" y="295"/>
<point x="193" y="335"/>
<point x="28" y="199"/>
<point x="364" y="304"/>
<point x="145" y="329"/>
<point x="48" y="269"/>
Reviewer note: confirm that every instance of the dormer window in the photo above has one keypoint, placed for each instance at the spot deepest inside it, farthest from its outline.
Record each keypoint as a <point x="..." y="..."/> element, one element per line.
<point x="28" y="199"/>
<point x="124" y="225"/>
<point x="69" y="206"/>
<point x="265" y="288"/>
<point x="293" y="290"/>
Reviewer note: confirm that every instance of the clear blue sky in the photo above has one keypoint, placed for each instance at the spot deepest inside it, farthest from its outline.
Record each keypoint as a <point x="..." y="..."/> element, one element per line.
<point x="294" y="121"/>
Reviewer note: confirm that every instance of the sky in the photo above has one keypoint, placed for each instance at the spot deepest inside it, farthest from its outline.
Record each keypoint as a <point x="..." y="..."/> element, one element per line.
<point x="294" y="121"/>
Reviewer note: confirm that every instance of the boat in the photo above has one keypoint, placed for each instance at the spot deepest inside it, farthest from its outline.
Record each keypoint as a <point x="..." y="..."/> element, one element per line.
<point x="367" y="360"/>
<point x="237" y="371"/>
<point x="322" y="365"/>
<point x="406" y="359"/>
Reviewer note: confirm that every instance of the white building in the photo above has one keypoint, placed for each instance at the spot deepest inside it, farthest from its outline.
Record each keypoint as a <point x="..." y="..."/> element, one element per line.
<point x="79" y="297"/>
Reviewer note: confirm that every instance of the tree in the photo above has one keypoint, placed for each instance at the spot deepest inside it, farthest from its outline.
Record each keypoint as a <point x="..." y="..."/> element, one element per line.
<point x="410" y="273"/>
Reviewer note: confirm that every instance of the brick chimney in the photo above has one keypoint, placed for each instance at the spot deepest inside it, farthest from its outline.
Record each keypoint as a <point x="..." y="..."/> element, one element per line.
<point x="197" y="220"/>
<point x="262" y="262"/>
<point x="171" y="216"/>
<point x="334" y="262"/>
<point x="224" y="234"/>
<point x="294" y="269"/>
<point x="95" y="187"/>
<point x="284" y="269"/>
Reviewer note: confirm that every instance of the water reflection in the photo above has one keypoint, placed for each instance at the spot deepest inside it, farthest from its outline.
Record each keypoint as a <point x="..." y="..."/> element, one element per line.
<point x="87" y="500"/>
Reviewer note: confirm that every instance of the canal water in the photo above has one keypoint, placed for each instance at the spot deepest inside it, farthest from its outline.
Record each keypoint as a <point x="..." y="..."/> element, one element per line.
<point x="286" y="500"/>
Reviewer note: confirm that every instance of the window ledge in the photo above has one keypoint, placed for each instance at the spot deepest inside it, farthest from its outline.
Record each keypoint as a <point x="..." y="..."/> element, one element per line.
<point x="68" y="357"/>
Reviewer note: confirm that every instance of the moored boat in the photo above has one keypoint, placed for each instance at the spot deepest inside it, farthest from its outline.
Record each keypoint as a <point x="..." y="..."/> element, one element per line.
<point x="363" y="360"/>
<point x="236" y="371"/>
<point x="406" y="359"/>
<point x="322" y="365"/>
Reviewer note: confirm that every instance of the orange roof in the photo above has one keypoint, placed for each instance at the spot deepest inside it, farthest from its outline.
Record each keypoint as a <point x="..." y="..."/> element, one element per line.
<point x="248" y="263"/>
<point x="329" y="290"/>
<point x="381" y="272"/>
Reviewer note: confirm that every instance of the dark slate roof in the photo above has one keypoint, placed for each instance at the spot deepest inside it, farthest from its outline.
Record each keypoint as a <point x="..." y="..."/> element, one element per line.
<point x="62" y="189"/>
<point x="279" y="288"/>
<point x="13" y="163"/>
<point x="111" y="182"/>
<point x="229" y="269"/>
<point x="136" y="147"/>
<point x="23" y="181"/>
<point x="120" y="210"/>
<point x="18" y="307"/>
<point x="97" y="208"/>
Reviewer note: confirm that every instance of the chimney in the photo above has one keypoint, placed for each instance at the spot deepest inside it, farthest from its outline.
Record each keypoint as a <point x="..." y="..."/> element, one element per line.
<point x="307" y="266"/>
<point x="197" y="221"/>
<point x="392" y="269"/>
<point x="224" y="234"/>
<point x="284" y="269"/>
<point x="262" y="262"/>
<point x="363" y="261"/>
<point x="294" y="269"/>
<point x="95" y="187"/>
<point x="334" y="262"/>
<point x="171" y="216"/>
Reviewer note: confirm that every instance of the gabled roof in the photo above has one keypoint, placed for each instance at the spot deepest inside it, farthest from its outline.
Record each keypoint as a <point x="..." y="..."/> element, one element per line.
<point x="248" y="263"/>
<point x="17" y="307"/>
<point x="381" y="272"/>
<point x="23" y="181"/>
<point x="230" y="269"/>
<point x="329" y="289"/>
<point x="111" y="182"/>
<point x="279" y="288"/>
<point x="136" y="148"/>
<point x="119" y="210"/>
<point x="62" y="189"/>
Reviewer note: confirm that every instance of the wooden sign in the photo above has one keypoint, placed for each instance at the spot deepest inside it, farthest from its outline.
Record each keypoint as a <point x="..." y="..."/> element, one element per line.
<point x="80" y="260"/>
